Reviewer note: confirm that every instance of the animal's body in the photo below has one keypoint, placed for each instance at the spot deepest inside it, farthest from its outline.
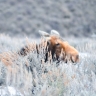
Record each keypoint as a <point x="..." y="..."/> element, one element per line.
<point x="56" y="46"/>
<point x="70" y="53"/>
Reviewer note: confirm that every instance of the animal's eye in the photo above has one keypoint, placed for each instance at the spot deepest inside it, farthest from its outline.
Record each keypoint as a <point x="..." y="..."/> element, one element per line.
<point x="58" y="44"/>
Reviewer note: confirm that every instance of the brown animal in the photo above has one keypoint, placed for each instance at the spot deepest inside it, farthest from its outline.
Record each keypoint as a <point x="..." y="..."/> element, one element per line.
<point x="59" y="49"/>
<point x="57" y="46"/>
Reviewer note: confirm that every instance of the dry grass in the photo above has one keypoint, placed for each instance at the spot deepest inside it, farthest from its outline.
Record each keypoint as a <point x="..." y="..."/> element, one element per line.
<point x="35" y="78"/>
<point x="8" y="58"/>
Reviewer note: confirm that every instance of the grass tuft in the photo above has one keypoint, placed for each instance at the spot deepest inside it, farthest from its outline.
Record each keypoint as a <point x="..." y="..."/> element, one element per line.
<point x="32" y="77"/>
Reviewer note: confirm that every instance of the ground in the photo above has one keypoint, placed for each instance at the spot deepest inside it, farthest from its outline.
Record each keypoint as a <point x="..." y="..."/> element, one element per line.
<point x="28" y="76"/>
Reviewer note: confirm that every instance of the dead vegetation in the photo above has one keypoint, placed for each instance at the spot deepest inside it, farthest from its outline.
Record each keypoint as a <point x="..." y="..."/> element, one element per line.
<point x="35" y="78"/>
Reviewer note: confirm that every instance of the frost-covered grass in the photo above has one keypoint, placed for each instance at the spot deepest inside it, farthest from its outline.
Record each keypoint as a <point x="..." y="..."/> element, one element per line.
<point x="31" y="77"/>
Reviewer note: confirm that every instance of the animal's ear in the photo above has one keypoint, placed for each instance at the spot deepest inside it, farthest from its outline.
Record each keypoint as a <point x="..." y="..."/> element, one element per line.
<point x="55" y="33"/>
<point x="44" y="34"/>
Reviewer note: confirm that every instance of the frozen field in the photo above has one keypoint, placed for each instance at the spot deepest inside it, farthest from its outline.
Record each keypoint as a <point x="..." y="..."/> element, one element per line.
<point x="27" y="76"/>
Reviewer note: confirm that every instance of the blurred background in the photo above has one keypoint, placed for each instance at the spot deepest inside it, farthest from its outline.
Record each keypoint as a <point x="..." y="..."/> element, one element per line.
<point x="72" y="18"/>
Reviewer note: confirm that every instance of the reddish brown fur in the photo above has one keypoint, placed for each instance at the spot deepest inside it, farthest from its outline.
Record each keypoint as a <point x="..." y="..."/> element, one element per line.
<point x="69" y="52"/>
<point x="53" y="48"/>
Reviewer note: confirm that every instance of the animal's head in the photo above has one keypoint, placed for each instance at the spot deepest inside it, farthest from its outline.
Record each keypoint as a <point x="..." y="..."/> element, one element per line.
<point x="52" y="38"/>
<point x="53" y="44"/>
